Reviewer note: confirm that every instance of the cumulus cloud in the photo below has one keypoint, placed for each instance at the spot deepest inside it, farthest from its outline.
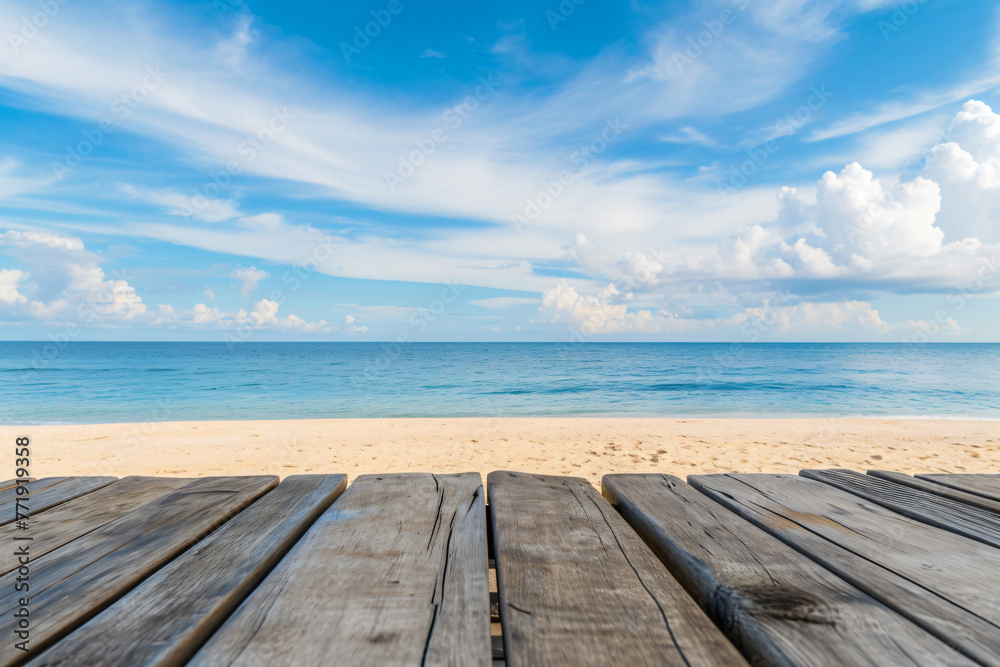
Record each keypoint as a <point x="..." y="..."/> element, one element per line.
<point x="70" y="283"/>
<point x="64" y="279"/>
<point x="917" y="235"/>
<point x="263" y="316"/>
<point x="251" y="278"/>
<point x="594" y="315"/>
<point x="816" y="317"/>
<point x="967" y="167"/>
<point x="927" y="234"/>
<point x="9" y="281"/>
<point x="352" y="327"/>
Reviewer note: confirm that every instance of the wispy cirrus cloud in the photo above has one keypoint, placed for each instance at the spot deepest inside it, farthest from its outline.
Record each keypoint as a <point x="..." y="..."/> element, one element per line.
<point x="249" y="153"/>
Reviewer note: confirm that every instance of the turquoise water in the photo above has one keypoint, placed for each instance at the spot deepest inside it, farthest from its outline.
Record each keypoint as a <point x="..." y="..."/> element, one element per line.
<point x="137" y="382"/>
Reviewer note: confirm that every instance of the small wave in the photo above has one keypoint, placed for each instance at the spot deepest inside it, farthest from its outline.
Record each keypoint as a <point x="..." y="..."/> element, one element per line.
<point x="715" y="386"/>
<point x="32" y="369"/>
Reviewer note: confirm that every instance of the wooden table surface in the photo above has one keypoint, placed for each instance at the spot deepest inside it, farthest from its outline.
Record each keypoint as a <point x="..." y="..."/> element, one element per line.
<point x="827" y="568"/>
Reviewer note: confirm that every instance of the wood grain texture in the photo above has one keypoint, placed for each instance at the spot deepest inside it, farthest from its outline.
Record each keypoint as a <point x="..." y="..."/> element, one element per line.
<point x="78" y="580"/>
<point x="944" y="513"/>
<point x="66" y="522"/>
<point x="10" y="483"/>
<point x="945" y="583"/>
<point x="777" y="605"/>
<point x="987" y="486"/>
<point x="394" y="573"/>
<point x="938" y="489"/>
<point x="47" y="493"/>
<point x="8" y="495"/>
<point x="579" y="587"/>
<point x="168" y="617"/>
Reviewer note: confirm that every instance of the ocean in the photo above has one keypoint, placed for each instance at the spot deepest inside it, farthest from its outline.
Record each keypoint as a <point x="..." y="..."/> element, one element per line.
<point x="90" y="382"/>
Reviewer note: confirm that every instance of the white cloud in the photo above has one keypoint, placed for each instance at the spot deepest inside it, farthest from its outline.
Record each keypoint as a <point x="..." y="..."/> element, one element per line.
<point x="11" y="185"/>
<point x="688" y="135"/>
<point x="856" y="316"/>
<point x="596" y="315"/>
<point x="897" y="111"/>
<point x="926" y="235"/>
<point x="195" y="206"/>
<point x="64" y="277"/>
<point x="909" y="237"/>
<point x="9" y="281"/>
<point x="431" y="53"/>
<point x="353" y="328"/>
<point x="209" y="294"/>
<point x="202" y="314"/>
<point x="264" y="317"/>
<point x="498" y="302"/>
<point x="917" y="235"/>
<point x="34" y="239"/>
<point x="506" y="151"/>
<point x="251" y="278"/>
<point x="967" y="167"/>
<point x="69" y="282"/>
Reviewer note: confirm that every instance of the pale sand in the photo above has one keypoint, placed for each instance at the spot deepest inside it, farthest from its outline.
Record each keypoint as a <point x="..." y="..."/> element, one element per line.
<point x="587" y="448"/>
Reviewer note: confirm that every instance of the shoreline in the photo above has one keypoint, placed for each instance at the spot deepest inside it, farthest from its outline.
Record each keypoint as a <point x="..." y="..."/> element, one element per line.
<point x="960" y="418"/>
<point x="584" y="447"/>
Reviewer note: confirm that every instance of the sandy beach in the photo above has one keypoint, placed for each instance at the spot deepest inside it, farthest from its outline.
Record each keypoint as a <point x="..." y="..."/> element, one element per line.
<point x="588" y="448"/>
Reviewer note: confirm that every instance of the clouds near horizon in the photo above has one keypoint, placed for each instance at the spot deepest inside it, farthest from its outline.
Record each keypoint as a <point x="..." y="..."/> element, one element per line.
<point x="725" y="162"/>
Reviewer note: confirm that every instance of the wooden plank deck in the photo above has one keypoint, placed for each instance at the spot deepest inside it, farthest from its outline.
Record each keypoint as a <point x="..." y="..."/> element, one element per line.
<point x="953" y="515"/>
<point x="578" y="587"/>
<point x="946" y="583"/>
<point x="47" y="493"/>
<point x="77" y="580"/>
<point x="393" y="573"/>
<point x="75" y="518"/>
<point x="168" y="617"/>
<point x="9" y="483"/>
<point x="987" y="486"/>
<point x="939" y="489"/>
<point x="883" y="569"/>
<point x="778" y="606"/>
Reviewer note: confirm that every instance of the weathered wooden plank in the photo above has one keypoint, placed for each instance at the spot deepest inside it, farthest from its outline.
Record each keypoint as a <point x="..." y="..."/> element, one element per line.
<point x="944" y="513"/>
<point x="938" y="489"/>
<point x="394" y="573"/>
<point x="167" y="618"/>
<point x="945" y="583"/>
<point x="48" y="493"/>
<point x="579" y="587"/>
<point x="66" y="522"/>
<point x="10" y="483"/>
<point x="70" y="585"/>
<point x="8" y="495"/>
<point x="777" y="605"/>
<point x="986" y="485"/>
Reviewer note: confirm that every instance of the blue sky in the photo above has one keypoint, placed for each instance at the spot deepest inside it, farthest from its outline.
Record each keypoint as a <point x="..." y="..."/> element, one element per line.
<point x="407" y="170"/>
